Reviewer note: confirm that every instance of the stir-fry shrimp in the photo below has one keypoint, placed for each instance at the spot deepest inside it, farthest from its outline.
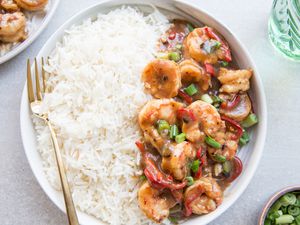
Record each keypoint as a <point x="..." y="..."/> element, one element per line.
<point x="154" y="203"/>
<point x="162" y="78"/>
<point x="203" y="45"/>
<point x="207" y="123"/>
<point x="191" y="72"/>
<point x="32" y="5"/>
<point x="177" y="163"/>
<point x="203" y="197"/>
<point x="154" y="110"/>
<point x="9" y="5"/>
<point x="234" y="81"/>
<point x="12" y="27"/>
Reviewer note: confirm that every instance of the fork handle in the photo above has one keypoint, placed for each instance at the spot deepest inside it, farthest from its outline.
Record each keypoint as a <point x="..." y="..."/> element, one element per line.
<point x="71" y="212"/>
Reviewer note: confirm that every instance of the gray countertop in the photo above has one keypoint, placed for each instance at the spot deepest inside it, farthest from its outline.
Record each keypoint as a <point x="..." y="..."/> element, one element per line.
<point x="22" y="201"/>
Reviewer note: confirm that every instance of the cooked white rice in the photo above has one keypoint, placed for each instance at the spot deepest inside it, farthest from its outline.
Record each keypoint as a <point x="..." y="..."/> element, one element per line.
<point x="95" y="95"/>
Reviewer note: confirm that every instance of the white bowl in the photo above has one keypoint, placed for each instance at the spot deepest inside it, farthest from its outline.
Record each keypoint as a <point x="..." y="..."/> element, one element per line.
<point x="250" y="154"/>
<point x="39" y="23"/>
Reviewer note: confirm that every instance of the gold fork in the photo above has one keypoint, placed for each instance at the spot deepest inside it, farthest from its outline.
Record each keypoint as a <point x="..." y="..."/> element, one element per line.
<point x="35" y="105"/>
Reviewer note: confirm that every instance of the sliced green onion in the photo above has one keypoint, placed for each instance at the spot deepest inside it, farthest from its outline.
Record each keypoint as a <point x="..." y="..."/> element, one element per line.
<point x="162" y="125"/>
<point x="207" y="98"/>
<point x="211" y="45"/>
<point x="224" y="63"/>
<point x="219" y="158"/>
<point x="191" y="90"/>
<point x="194" y="166"/>
<point x="143" y="177"/>
<point x="250" y="120"/>
<point x="297" y="220"/>
<point x="175" y="56"/>
<point x="288" y="199"/>
<point x="284" y="219"/>
<point x="216" y="99"/>
<point x="294" y="210"/>
<point x="268" y="222"/>
<point x="173" y="220"/>
<point x="180" y="138"/>
<point x="275" y="215"/>
<point x="244" y="139"/>
<point x="162" y="55"/>
<point x="173" y="131"/>
<point x="212" y="142"/>
<point x="227" y="167"/>
<point x="284" y="209"/>
<point x="297" y="203"/>
<point x="190" y="180"/>
<point x="190" y="27"/>
<point x="276" y="206"/>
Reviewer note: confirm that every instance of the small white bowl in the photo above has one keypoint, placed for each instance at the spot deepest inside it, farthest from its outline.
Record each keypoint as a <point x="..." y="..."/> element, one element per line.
<point x="250" y="154"/>
<point x="39" y="22"/>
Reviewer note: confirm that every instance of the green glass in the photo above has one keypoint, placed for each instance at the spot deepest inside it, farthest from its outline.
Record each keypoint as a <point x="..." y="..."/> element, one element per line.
<point x="284" y="27"/>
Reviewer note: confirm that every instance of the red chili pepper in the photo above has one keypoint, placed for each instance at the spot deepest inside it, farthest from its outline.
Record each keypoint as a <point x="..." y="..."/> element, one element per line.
<point x="185" y="96"/>
<point x="236" y="125"/>
<point x="237" y="169"/>
<point x="186" y="115"/>
<point x="198" y="191"/>
<point x="199" y="153"/>
<point x="211" y="34"/>
<point x="209" y="69"/>
<point x="172" y="36"/>
<point x="199" y="173"/>
<point x="231" y="104"/>
<point x="158" y="179"/>
<point x="201" y="156"/>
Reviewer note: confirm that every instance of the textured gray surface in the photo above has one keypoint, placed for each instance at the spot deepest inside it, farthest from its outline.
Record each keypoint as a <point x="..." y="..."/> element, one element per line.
<point x="23" y="202"/>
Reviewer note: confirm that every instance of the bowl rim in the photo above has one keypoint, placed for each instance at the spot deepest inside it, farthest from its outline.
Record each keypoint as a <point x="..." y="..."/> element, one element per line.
<point x="31" y="38"/>
<point x="273" y="199"/>
<point x="261" y="128"/>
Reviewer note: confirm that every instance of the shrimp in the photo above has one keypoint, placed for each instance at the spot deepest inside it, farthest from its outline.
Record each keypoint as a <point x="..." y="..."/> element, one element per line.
<point x="191" y="72"/>
<point x="162" y="78"/>
<point x="177" y="163"/>
<point x="208" y="122"/>
<point x="154" y="110"/>
<point x="203" y="197"/>
<point x="32" y="5"/>
<point x="234" y="81"/>
<point x="12" y="27"/>
<point x="203" y="45"/>
<point x="154" y="203"/>
<point x="9" y="5"/>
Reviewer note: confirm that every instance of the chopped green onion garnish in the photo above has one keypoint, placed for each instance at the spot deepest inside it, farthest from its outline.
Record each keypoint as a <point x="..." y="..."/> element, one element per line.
<point x="194" y="166"/>
<point x="162" y="125"/>
<point x="294" y="210"/>
<point x="212" y="142"/>
<point x="174" y="131"/>
<point x="275" y="215"/>
<point x="175" y="56"/>
<point x="227" y="167"/>
<point x="211" y="45"/>
<point x="297" y="220"/>
<point x="216" y="99"/>
<point x="284" y="219"/>
<point x="173" y="220"/>
<point x="143" y="177"/>
<point x="180" y="138"/>
<point x="207" y="98"/>
<point x="288" y="199"/>
<point x="190" y="27"/>
<point x="268" y="222"/>
<point x="297" y="203"/>
<point x="219" y="158"/>
<point x="190" y="180"/>
<point x="191" y="90"/>
<point x="250" y="120"/>
<point x="224" y="63"/>
<point x="244" y="139"/>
